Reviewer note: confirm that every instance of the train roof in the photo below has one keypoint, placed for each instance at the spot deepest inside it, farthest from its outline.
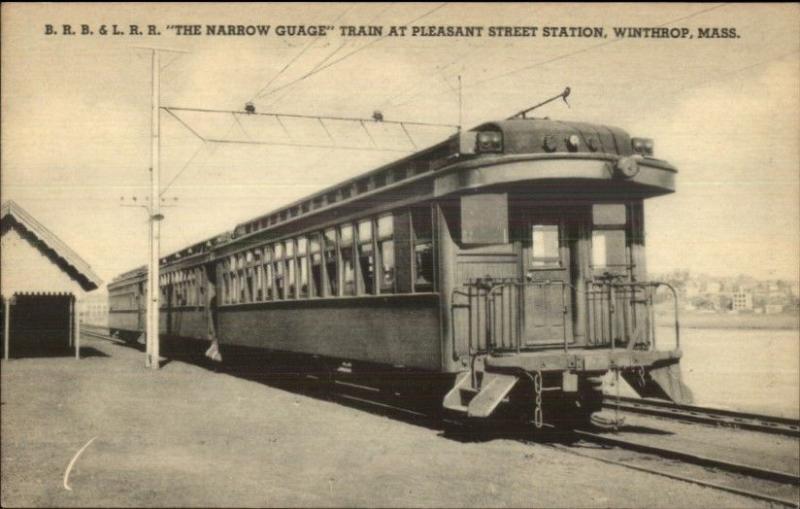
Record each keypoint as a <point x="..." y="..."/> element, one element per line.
<point x="520" y="135"/>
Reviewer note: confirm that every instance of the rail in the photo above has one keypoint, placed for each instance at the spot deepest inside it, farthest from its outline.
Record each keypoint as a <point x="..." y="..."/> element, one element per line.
<point x="705" y="415"/>
<point x="497" y="315"/>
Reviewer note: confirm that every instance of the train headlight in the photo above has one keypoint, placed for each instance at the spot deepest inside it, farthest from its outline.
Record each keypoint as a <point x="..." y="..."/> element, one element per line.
<point x="550" y="144"/>
<point x="573" y="141"/>
<point x="626" y="167"/>
<point x="489" y="141"/>
<point x="642" y="146"/>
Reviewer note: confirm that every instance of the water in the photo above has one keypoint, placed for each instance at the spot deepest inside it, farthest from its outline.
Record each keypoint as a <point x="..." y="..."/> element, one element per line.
<point x="738" y="369"/>
<point x="749" y="370"/>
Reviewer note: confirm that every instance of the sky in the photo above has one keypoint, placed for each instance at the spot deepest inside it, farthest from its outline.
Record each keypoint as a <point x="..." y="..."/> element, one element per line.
<point x="76" y="114"/>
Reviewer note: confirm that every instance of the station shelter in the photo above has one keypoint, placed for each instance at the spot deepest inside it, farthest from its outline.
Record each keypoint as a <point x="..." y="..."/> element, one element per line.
<point x="41" y="281"/>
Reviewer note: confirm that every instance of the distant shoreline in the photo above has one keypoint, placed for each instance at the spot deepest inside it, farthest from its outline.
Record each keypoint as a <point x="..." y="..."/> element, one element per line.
<point x="693" y="320"/>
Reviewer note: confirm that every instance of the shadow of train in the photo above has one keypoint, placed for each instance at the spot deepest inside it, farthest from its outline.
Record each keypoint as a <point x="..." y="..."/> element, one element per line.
<point x="410" y="397"/>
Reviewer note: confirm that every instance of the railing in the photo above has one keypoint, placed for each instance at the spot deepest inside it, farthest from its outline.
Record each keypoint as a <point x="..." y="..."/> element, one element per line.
<point x="498" y="315"/>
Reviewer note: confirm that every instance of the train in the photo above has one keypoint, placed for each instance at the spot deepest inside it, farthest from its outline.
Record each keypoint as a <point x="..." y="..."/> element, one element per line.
<point x="500" y="271"/>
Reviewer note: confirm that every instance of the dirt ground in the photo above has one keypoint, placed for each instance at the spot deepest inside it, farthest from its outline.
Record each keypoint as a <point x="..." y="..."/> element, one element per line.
<point x="189" y="436"/>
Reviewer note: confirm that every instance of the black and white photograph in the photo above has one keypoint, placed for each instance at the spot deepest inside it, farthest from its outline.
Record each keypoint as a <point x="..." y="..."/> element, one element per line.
<point x="430" y="254"/>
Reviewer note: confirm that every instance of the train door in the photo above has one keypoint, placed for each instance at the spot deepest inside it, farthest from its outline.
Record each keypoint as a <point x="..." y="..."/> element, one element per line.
<point x="617" y="312"/>
<point x="546" y="255"/>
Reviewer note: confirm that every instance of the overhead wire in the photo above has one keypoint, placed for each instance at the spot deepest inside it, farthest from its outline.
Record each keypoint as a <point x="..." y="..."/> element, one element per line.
<point x="298" y="55"/>
<point x="204" y="144"/>
<point x="348" y="55"/>
<point x="567" y="55"/>
<point x="330" y="55"/>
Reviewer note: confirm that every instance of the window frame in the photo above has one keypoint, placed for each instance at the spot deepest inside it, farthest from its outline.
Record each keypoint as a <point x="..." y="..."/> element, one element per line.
<point x="625" y="228"/>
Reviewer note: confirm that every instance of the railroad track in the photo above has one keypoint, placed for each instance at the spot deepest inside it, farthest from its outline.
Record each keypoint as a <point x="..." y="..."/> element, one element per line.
<point x="99" y="332"/>
<point x="772" y="480"/>
<point x="775" y="481"/>
<point x="691" y="413"/>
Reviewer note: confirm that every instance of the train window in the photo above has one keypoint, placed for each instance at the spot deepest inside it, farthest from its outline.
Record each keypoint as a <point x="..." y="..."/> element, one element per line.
<point x="280" y="272"/>
<point x="315" y="255"/>
<point x="608" y="214"/>
<point x="366" y="256"/>
<point x="291" y="267"/>
<point x="484" y="218"/>
<point x="609" y="243"/>
<point x="234" y="288"/>
<point x="348" y="259"/>
<point x="386" y="253"/>
<point x="331" y="262"/>
<point x="268" y="277"/>
<point x="242" y="279"/>
<point x="259" y="270"/>
<point x="423" y="249"/>
<point x="250" y="286"/>
<point x="608" y="250"/>
<point x="302" y="267"/>
<point x="229" y="267"/>
<point x="199" y="288"/>
<point x="545" y="245"/>
<point x="176" y="290"/>
<point x="225" y="289"/>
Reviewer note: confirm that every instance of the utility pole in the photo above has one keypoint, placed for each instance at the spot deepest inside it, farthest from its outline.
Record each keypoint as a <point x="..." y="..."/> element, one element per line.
<point x="152" y="358"/>
<point x="153" y="291"/>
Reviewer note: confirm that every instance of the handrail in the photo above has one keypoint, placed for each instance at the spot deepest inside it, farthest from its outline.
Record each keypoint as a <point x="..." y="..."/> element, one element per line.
<point x="497" y="316"/>
<point x="675" y="306"/>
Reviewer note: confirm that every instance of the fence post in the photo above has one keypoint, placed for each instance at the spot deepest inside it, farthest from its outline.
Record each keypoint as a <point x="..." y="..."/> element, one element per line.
<point x="6" y="325"/>
<point x="76" y="321"/>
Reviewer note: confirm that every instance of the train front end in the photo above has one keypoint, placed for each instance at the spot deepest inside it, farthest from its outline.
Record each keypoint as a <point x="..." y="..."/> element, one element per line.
<point x="542" y="245"/>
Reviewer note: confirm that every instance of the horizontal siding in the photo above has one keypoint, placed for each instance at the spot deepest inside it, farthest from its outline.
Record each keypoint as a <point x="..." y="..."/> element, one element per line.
<point x="123" y="320"/>
<point x="189" y="323"/>
<point x="392" y="330"/>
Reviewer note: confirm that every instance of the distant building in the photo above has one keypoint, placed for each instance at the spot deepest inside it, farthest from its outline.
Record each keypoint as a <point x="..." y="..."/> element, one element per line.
<point x="773" y="309"/>
<point x="692" y="289"/>
<point x="93" y="309"/>
<point x="742" y="301"/>
<point x="41" y="279"/>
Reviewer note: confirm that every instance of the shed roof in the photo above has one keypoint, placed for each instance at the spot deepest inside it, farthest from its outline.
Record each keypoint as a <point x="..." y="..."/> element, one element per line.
<point x="75" y="266"/>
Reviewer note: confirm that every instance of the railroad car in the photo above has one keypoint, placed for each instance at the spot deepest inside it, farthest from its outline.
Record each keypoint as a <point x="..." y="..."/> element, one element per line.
<point x="504" y="265"/>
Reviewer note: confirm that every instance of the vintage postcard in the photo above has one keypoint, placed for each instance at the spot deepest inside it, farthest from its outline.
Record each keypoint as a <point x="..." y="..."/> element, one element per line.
<point x="400" y="254"/>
